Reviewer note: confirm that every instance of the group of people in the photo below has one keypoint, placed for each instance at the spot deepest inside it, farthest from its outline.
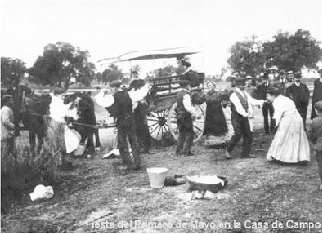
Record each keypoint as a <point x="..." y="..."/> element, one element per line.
<point x="287" y="107"/>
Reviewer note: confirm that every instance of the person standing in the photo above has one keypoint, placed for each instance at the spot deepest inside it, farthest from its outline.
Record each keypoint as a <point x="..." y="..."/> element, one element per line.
<point x="300" y="94"/>
<point x="140" y="115"/>
<point x="267" y="108"/>
<point x="95" y="130"/>
<point x="189" y="74"/>
<point x="290" y="144"/>
<point x="315" y="136"/>
<point x="185" y="115"/>
<point x="124" y="102"/>
<point x="241" y="116"/>
<point x="317" y="93"/>
<point x="215" y="122"/>
<point x="7" y="125"/>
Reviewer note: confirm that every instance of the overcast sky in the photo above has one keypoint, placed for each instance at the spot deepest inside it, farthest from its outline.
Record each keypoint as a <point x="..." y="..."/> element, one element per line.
<point x="107" y="28"/>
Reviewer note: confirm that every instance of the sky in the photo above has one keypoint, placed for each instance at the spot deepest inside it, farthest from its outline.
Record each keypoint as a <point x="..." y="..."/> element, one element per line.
<point x="108" y="28"/>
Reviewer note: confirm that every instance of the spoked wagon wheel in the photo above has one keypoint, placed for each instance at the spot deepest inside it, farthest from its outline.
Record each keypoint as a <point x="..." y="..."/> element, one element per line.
<point x="198" y="124"/>
<point x="158" y="126"/>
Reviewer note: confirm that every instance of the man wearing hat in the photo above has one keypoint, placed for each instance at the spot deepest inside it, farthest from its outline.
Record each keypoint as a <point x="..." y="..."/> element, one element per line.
<point x="189" y="74"/>
<point x="241" y="117"/>
<point x="7" y="125"/>
<point x="317" y="93"/>
<point x="185" y="115"/>
<point x="267" y="108"/>
<point x="124" y="102"/>
<point x="300" y="94"/>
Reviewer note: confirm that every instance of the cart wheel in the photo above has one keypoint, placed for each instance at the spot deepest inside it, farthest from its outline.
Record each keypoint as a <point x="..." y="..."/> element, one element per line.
<point x="198" y="124"/>
<point x="157" y="122"/>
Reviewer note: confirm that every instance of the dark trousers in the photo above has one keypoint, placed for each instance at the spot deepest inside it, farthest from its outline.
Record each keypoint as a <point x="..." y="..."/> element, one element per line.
<point x="319" y="161"/>
<point x="268" y="109"/>
<point x="241" y="128"/>
<point x="127" y="133"/>
<point x="186" y="134"/>
<point x="97" y="138"/>
<point x="86" y="135"/>
<point x="144" y="138"/>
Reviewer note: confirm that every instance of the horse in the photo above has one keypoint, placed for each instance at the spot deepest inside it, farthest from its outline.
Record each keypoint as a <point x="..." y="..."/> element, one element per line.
<point x="35" y="107"/>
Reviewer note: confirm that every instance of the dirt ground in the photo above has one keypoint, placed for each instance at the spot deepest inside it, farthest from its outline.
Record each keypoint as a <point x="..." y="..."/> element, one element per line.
<point x="95" y="196"/>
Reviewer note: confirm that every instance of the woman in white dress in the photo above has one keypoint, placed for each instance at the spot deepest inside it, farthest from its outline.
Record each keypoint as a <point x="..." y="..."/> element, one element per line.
<point x="290" y="144"/>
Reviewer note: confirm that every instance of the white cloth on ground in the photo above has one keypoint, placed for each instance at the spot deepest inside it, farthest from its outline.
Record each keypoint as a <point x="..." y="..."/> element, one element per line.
<point x="72" y="139"/>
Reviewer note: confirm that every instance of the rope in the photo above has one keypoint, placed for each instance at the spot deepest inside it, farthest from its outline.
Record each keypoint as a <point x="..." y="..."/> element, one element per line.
<point x="74" y="122"/>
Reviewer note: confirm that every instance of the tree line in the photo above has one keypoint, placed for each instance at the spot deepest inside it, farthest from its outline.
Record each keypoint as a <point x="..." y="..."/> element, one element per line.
<point x="288" y="52"/>
<point x="61" y="63"/>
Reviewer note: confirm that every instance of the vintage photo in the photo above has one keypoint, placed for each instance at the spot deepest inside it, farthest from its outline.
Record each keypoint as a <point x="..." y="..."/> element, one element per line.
<point x="161" y="116"/>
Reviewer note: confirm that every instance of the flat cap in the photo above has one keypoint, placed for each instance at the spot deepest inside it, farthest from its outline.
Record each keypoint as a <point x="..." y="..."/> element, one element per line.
<point x="115" y="83"/>
<point x="318" y="106"/>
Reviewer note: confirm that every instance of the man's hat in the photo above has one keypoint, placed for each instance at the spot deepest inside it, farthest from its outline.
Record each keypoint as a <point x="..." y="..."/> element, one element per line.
<point x="318" y="106"/>
<point x="297" y="75"/>
<point x="240" y="81"/>
<point x="187" y="59"/>
<point x="116" y="83"/>
<point x="184" y="83"/>
<point x="290" y="72"/>
<point x="5" y="99"/>
<point x="249" y="77"/>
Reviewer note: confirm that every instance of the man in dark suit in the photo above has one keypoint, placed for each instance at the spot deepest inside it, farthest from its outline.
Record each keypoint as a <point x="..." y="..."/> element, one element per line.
<point x="317" y="93"/>
<point x="300" y="94"/>
<point x="267" y="109"/>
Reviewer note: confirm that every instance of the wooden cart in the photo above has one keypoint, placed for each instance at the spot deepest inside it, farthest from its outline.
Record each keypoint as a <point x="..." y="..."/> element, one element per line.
<point x="161" y="115"/>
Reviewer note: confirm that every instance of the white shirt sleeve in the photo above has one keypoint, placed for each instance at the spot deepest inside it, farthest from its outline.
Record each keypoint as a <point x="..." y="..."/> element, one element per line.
<point x="253" y="101"/>
<point x="138" y="95"/>
<point x="104" y="100"/>
<point x="239" y="108"/>
<point x="278" y="110"/>
<point x="188" y="105"/>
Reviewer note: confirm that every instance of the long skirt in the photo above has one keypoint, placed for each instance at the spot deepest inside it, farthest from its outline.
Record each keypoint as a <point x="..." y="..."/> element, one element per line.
<point x="290" y="144"/>
<point x="212" y="140"/>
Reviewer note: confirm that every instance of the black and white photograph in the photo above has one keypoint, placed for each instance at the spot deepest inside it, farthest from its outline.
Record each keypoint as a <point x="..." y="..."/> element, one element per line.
<point x="160" y="116"/>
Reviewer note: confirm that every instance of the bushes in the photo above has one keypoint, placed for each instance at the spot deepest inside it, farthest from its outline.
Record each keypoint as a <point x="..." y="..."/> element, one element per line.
<point x="23" y="169"/>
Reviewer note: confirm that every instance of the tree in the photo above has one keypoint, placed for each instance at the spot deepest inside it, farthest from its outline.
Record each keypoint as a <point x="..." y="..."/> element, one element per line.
<point x="292" y="52"/>
<point x="246" y="57"/>
<point x="111" y="74"/>
<point x="60" y="62"/>
<point x="136" y="67"/>
<point x="99" y="77"/>
<point x="167" y="71"/>
<point x="11" y="71"/>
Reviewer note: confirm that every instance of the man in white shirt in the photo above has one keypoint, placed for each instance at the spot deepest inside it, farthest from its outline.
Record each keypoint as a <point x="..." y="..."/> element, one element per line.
<point x="242" y="119"/>
<point x="185" y="115"/>
<point x="7" y="125"/>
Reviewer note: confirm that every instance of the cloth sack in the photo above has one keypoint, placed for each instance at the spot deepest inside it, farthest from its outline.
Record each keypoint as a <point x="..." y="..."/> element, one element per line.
<point x="72" y="139"/>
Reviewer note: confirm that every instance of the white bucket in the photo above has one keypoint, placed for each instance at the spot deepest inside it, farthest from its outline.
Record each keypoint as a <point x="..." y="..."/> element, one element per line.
<point x="157" y="176"/>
